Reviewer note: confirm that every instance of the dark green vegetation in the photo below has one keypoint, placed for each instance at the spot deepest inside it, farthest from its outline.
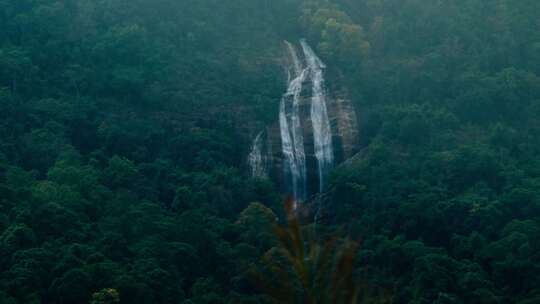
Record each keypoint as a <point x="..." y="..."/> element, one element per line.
<point x="304" y="269"/>
<point x="122" y="141"/>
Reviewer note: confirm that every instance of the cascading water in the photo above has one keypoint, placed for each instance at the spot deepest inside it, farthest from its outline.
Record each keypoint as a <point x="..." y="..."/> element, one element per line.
<point x="309" y="70"/>
<point x="292" y="139"/>
<point x="322" y="133"/>
<point x="256" y="160"/>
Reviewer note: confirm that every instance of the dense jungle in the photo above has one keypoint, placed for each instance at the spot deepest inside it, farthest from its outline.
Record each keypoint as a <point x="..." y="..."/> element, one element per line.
<point x="131" y="171"/>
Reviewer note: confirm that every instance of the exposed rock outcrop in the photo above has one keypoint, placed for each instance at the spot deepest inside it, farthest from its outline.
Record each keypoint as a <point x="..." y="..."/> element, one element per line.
<point x="343" y="125"/>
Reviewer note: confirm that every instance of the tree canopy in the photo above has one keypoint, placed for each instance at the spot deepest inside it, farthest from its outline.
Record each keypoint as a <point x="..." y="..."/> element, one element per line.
<point x="124" y="127"/>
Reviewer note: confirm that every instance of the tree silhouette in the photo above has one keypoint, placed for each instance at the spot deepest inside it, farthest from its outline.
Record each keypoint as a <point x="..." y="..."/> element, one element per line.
<point x="302" y="269"/>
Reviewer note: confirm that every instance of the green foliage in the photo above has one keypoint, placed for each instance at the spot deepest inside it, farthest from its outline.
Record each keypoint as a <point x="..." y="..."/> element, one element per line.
<point x="105" y="296"/>
<point x="339" y="37"/>
<point x="304" y="270"/>
<point x="124" y="127"/>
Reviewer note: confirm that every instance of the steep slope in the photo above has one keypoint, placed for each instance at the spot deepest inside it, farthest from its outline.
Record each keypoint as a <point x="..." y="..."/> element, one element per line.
<point x="316" y="129"/>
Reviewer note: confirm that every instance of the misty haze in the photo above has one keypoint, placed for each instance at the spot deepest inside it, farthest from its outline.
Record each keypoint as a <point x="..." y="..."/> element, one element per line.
<point x="269" y="151"/>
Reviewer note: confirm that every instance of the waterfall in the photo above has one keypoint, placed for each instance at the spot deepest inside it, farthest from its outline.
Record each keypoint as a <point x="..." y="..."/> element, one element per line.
<point x="292" y="139"/>
<point x="256" y="160"/>
<point x="322" y="133"/>
<point x="308" y="70"/>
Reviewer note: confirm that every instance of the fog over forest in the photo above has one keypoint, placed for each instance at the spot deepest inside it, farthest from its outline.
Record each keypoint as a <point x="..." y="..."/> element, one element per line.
<point x="269" y="151"/>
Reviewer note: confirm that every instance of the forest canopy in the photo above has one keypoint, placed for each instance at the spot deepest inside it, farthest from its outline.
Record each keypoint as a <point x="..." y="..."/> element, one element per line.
<point x="124" y="127"/>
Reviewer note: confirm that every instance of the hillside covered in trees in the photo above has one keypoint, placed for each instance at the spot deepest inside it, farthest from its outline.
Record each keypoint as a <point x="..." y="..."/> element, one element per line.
<point x="125" y="127"/>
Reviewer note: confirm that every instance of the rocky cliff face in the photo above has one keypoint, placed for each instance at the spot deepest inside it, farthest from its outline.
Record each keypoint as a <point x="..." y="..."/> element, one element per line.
<point x="343" y="125"/>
